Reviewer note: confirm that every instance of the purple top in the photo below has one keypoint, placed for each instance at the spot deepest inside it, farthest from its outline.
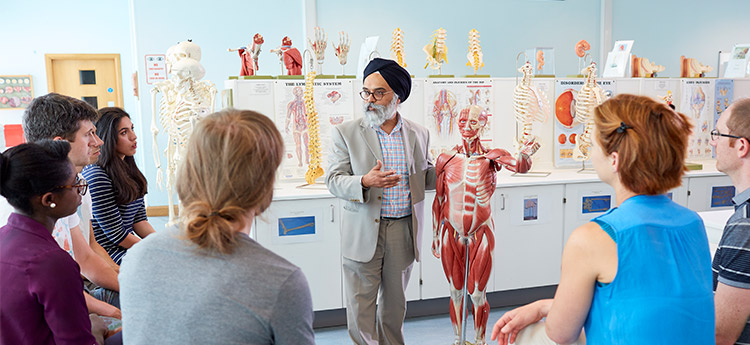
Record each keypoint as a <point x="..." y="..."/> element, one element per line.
<point x="41" y="291"/>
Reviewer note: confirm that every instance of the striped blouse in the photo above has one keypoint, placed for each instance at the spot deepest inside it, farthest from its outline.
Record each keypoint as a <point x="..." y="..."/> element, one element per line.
<point x="111" y="222"/>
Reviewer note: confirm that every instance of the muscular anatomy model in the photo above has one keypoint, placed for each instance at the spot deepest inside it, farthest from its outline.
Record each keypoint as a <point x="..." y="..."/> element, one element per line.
<point x="291" y="57"/>
<point x="462" y="218"/>
<point x="185" y="100"/>
<point x="297" y="118"/>
<point x="249" y="56"/>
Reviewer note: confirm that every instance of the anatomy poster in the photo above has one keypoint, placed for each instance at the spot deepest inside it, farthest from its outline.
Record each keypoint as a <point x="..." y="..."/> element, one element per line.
<point x="696" y="101"/>
<point x="334" y="104"/>
<point x="444" y="100"/>
<point x="569" y="125"/>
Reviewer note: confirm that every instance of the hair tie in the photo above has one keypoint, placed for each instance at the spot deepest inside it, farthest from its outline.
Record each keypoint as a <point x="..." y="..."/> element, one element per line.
<point x="622" y="127"/>
<point x="213" y="214"/>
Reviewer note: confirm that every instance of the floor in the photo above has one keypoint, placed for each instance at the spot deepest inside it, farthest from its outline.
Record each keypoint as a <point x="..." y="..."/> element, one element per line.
<point x="433" y="330"/>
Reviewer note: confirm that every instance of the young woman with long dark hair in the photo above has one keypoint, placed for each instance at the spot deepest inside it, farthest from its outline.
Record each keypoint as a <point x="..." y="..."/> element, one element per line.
<point x="117" y="186"/>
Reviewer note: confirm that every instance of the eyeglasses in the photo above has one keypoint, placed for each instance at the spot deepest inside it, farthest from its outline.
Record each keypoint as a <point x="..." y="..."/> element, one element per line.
<point x="79" y="183"/>
<point x="715" y="134"/>
<point x="377" y="94"/>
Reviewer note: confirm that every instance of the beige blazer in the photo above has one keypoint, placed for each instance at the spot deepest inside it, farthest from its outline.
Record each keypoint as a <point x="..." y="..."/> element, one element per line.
<point x="355" y="151"/>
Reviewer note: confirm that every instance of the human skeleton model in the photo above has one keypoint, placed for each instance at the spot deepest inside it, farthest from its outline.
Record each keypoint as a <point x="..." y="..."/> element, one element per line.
<point x="343" y="49"/>
<point x="526" y="106"/>
<point x="314" y="170"/>
<point x="475" y="51"/>
<point x="590" y="96"/>
<point x="185" y="100"/>
<point x="296" y="117"/>
<point x="462" y="216"/>
<point x="291" y="57"/>
<point x="249" y="56"/>
<point x="436" y="51"/>
<point x="397" y="47"/>
<point x="641" y="67"/>
<point x="319" y="45"/>
<point x="691" y="68"/>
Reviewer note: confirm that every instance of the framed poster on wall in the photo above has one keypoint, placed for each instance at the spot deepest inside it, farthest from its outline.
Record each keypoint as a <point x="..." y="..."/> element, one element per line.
<point x="16" y="91"/>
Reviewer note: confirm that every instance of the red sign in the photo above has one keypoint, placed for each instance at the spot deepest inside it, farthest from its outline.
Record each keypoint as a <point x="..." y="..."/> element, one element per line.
<point x="156" y="68"/>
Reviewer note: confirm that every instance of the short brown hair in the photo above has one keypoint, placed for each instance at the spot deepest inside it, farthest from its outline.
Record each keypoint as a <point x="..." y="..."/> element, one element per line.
<point x="651" y="153"/>
<point x="739" y="121"/>
<point x="228" y="170"/>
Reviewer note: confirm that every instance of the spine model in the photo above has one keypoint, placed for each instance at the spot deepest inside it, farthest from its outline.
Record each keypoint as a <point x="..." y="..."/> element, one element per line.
<point x="475" y="51"/>
<point x="397" y="47"/>
<point x="314" y="170"/>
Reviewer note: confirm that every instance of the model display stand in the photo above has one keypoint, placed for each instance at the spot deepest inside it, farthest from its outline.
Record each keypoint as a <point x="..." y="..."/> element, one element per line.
<point x="641" y="67"/>
<point x="542" y="61"/>
<point x="475" y="55"/>
<point x="692" y="68"/>
<point x="249" y="55"/>
<point x="289" y="57"/>
<point x="437" y="53"/>
<point x="185" y="101"/>
<point x="397" y="47"/>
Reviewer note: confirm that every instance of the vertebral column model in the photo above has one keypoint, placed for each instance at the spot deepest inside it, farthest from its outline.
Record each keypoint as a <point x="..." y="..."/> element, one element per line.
<point x="461" y="212"/>
<point x="185" y="100"/>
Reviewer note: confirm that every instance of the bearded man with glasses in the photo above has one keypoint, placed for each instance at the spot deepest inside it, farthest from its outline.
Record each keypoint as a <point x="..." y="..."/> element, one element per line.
<point x="380" y="166"/>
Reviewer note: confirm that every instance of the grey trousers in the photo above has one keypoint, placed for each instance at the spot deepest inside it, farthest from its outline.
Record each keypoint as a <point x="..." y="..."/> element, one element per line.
<point x="383" y="280"/>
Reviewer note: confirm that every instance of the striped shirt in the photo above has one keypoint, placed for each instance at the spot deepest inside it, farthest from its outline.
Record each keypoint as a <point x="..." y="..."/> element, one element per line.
<point x="397" y="199"/>
<point x="731" y="264"/>
<point x="111" y="222"/>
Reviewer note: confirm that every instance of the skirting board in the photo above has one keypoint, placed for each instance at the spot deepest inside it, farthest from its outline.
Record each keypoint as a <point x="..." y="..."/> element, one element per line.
<point x="437" y="306"/>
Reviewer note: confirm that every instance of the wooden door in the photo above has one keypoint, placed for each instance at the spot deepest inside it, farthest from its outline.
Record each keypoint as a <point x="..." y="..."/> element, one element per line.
<point x="94" y="78"/>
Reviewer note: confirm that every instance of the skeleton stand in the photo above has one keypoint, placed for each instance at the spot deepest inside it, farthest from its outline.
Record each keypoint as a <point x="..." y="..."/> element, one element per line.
<point x="464" y="294"/>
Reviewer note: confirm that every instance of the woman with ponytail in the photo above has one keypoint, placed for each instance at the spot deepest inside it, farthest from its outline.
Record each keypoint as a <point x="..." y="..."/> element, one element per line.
<point x="205" y="280"/>
<point x="117" y="186"/>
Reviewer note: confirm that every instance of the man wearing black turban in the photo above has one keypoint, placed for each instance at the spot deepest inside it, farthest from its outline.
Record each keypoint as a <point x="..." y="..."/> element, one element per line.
<point x="380" y="167"/>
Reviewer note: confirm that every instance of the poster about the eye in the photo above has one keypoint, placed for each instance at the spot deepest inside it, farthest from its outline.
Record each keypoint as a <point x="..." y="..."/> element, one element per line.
<point x="569" y="123"/>
<point x="444" y="101"/>
<point x="334" y="105"/>
<point x="697" y="102"/>
<point x="16" y="91"/>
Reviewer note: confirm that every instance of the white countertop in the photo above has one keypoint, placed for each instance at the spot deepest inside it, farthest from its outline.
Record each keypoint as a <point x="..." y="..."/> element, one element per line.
<point x="293" y="190"/>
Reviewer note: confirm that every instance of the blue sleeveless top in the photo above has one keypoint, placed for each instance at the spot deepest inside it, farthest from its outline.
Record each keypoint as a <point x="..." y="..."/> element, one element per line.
<point x="662" y="293"/>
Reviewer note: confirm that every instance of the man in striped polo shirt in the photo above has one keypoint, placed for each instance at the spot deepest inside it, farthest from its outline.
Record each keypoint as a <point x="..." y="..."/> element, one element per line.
<point x="731" y="265"/>
<point x="380" y="166"/>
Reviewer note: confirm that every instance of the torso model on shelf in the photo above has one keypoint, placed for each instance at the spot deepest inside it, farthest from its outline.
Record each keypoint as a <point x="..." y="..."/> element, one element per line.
<point x="291" y="57"/>
<point x="318" y="46"/>
<point x="641" y="67"/>
<point x="475" y="51"/>
<point x="526" y="107"/>
<point x="692" y="68"/>
<point x="249" y="56"/>
<point x="185" y="100"/>
<point x="397" y="47"/>
<point x="314" y="170"/>
<point x="437" y="52"/>
<point x="462" y="216"/>
<point x="588" y="97"/>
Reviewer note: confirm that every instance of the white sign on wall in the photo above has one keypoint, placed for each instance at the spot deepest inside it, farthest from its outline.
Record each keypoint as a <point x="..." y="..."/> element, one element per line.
<point x="156" y="68"/>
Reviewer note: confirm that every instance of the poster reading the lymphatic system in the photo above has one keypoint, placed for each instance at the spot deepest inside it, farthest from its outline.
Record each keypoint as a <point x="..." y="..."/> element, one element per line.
<point x="444" y="100"/>
<point x="569" y="125"/>
<point x="334" y="104"/>
<point x="696" y="101"/>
